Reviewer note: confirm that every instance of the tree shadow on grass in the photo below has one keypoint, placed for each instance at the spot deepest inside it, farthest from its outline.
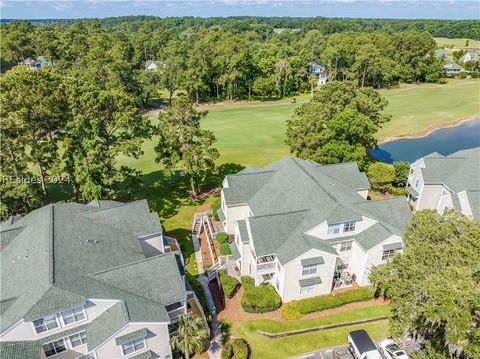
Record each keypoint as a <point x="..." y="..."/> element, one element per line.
<point x="167" y="194"/>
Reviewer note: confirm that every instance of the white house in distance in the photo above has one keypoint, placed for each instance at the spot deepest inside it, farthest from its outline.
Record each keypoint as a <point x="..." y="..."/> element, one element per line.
<point x="445" y="182"/>
<point x="318" y="69"/>
<point x="151" y="65"/>
<point x="306" y="228"/>
<point x="470" y="56"/>
<point x="96" y="281"/>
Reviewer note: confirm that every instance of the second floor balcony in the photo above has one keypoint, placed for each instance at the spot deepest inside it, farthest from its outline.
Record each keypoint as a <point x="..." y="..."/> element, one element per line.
<point x="262" y="264"/>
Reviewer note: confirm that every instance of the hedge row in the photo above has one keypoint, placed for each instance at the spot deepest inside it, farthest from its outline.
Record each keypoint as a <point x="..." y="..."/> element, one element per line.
<point x="237" y="348"/>
<point x="259" y="299"/>
<point x="295" y="309"/>
<point x="229" y="284"/>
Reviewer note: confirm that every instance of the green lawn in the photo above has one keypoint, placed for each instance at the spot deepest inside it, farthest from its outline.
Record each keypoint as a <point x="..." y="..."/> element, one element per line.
<point x="266" y="348"/>
<point x="416" y="107"/>
<point x="457" y="43"/>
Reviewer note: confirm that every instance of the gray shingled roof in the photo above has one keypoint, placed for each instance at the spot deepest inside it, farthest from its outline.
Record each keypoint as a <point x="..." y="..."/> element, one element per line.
<point x="242" y="228"/>
<point x="235" y="251"/>
<point x="66" y="253"/>
<point x="293" y="196"/>
<point x="459" y="171"/>
<point x="140" y="333"/>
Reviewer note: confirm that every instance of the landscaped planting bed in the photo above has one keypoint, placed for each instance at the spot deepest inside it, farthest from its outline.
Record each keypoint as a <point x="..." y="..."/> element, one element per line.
<point x="295" y="309"/>
<point x="259" y="299"/>
<point x="229" y="284"/>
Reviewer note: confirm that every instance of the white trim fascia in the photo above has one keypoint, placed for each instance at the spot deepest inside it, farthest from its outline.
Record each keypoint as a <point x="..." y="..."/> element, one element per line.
<point x="151" y="235"/>
<point x="13" y="326"/>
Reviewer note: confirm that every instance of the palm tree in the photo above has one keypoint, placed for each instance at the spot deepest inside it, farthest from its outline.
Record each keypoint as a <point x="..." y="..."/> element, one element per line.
<point x="191" y="335"/>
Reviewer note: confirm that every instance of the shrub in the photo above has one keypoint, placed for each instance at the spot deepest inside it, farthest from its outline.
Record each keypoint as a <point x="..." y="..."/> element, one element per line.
<point x="259" y="299"/>
<point x="380" y="173"/>
<point x="290" y="311"/>
<point x="237" y="348"/>
<point x="225" y="249"/>
<point x="240" y="348"/>
<point x="317" y="304"/>
<point x="221" y="237"/>
<point x="227" y="351"/>
<point x="397" y="191"/>
<point x="402" y="170"/>
<point x="229" y="284"/>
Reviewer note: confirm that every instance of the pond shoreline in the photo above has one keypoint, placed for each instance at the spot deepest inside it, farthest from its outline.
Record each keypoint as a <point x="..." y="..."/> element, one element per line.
<point x="428" y="130"/>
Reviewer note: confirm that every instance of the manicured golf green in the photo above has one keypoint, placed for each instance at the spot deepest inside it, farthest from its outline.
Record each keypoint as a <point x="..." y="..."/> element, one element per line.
<point x="266" y="348"/>
<point x="255" y="133"/>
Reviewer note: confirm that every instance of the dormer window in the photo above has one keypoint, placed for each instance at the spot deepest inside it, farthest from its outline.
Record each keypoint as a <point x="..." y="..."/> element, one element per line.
<point x="349" y="227"/>
<point x="73" y="315"/>
<point x="45" y="324"/>
<point x="333" y="229"/>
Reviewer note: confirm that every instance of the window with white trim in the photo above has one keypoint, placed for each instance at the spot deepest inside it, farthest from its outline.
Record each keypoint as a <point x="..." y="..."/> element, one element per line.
<point x="45" y="324"/>
<point x="345" y="246"/>
<point x="78" y="339"/>
<point x="349" y="227"/>
<point x="87" y="356"/>
<point x="279" y="267"/>
<point x="54" y="348"/>
<point x="307" y="289"/>
<point x="73" y="315"/>
<point x="342" y="266"/>
<point x="333" y="229"/>
<point x="388" y="254"/>
<point x="133" y="346"/>
<point x="309" y="269"/>
<point x="277" y="284"/>
<point x="416" y="183"/>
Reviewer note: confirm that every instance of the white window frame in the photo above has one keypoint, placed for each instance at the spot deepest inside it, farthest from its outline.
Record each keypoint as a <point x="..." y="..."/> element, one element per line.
<point x="82" y="338"/>
<point x="309" y="270"/>
<point x="310" y="289"/>
<point x="69" y="313"/>
<point x="345" y="246"/>
<point x="90" y="355"/>
<point x="54" y="348"/>
<point x="132" y="343"/>
<point x="389" y="253"/>
<point x="332" y="227"/>
<point x="341" y="266"/>
<point x="417" y="181"/>
<point x="54" y="316"/>
<point x="350" y="225"/>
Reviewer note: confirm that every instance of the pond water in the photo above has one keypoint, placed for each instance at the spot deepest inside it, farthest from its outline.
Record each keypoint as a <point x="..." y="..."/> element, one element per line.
<point x="444" y="141"/>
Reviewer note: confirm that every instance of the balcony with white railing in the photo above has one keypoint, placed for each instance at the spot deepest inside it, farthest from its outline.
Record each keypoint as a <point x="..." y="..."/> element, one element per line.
<point x="262" y="264"/>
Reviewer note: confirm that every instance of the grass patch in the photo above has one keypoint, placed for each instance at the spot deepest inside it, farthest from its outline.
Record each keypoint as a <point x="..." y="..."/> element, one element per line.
<point x="457" y="43"/>
<point x="274" y="326"/>
<point x="267" y="348"/>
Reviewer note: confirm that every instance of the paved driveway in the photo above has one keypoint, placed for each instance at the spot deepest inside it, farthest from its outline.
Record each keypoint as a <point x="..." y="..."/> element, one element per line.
<point x="327" y="353"/>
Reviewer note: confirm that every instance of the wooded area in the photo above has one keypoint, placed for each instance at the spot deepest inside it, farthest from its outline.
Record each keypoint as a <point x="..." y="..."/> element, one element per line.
<point x="233" y="58"/>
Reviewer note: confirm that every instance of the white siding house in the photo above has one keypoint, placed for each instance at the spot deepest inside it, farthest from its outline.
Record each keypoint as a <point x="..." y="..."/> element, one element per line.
<point x="306" y="229"/>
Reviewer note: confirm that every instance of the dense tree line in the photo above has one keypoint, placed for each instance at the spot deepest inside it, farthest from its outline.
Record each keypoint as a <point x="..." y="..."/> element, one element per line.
<point x="438" y="28"/>
<point x="221" y="62"/>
